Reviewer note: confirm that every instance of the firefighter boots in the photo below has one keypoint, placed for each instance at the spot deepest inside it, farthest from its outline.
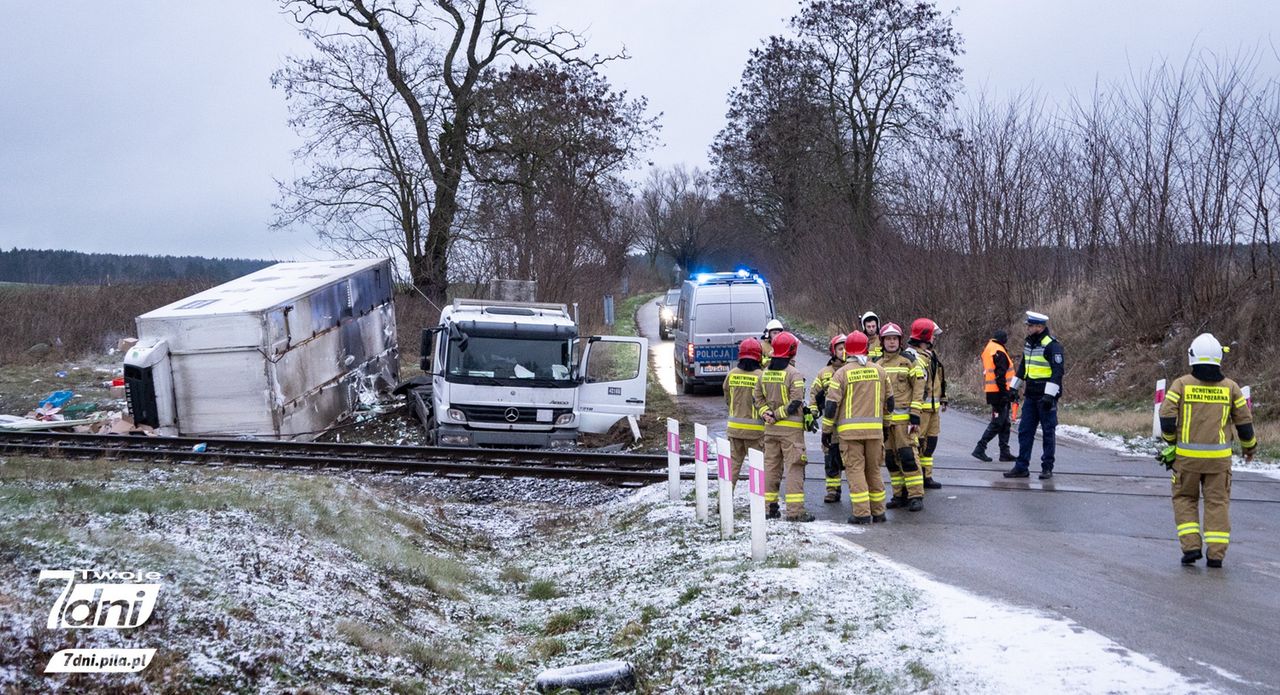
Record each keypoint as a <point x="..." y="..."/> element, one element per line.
<point x="981" y="454"/>
<point x="801" y="517"/>
<point x="1191" y="556"/>
<point x="1007" y="456"/>
<point x="859" y="519"/>
<point x="931" y="484"/>
<point x="1213" y="563"/>
<point x="833" y="496"/>
<point x="897" y="501"/>
<point x="916" y="504"/>
<point x="772" y="512"/>
<point x="878" y="518"/>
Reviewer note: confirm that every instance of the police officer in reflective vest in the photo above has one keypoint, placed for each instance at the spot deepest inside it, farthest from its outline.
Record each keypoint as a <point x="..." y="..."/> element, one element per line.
<point x="746" y="427"/>
<point x="1193" y="419"/>
<point x="780" y="400"/>
<point x="1041" y="370"/>
<point x="997" y="373"/>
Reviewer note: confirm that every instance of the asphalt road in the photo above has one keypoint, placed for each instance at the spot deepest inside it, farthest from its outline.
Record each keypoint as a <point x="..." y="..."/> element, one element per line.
<point x="1096" y="544"/>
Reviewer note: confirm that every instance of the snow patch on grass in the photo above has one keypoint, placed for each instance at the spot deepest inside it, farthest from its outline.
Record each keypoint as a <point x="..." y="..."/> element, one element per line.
<point x="998" y="648"/>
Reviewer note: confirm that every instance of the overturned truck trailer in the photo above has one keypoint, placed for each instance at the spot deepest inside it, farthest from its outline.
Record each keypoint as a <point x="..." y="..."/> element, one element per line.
<point x="284" y="352"/>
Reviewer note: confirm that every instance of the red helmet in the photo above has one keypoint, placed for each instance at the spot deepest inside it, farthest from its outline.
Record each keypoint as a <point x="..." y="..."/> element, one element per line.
<point x="890" y="328"/>
<point x="785" y="345"/>
<point x="923" y="330"/>
<point x="749" y="349"/>
<point x="836" y="342"/>
<point x="856" y="343"/>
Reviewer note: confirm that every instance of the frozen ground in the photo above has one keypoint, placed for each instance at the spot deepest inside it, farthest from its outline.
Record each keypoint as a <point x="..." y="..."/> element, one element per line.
<point x="275" y="581"/>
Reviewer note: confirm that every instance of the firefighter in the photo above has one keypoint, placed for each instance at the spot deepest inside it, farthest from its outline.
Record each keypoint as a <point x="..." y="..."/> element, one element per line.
<point x="779" y="398"/>
<point x="858" y="398"/>
<point x="771" y="330"/>
<point x="1041" y="369"/>
<point x="1193" y="419"/>
<point x="924" y="332"/>
<point x="871" y="326"/>
<point x="817" y="393"/>
<point x="997" y="373"/>
<point x="745" y="426"/>
<point x="902" y="423"/>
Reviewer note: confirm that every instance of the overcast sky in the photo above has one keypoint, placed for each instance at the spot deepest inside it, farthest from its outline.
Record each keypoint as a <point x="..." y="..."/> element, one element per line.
<point x="149" y="126"/>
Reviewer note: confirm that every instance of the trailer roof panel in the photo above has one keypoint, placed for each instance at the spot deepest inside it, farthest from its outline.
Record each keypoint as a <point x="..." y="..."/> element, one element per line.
<point x="272" y="286"/>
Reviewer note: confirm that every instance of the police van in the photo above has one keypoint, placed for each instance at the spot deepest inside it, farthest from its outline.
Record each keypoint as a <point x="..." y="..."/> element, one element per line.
<point x="715" y="313"/>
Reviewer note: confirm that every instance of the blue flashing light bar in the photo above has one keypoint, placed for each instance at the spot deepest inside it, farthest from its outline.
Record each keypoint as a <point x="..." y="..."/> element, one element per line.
<point x="738" y="275"/>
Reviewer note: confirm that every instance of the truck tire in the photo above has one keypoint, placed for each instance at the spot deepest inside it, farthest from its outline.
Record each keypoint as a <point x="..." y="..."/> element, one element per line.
<point x="616" y="676"/>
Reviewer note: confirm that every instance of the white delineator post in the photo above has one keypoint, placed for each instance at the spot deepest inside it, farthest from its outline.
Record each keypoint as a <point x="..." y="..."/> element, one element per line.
<point x="1247" y="392"/>
<point x="1155" y="413"/>
<point x="755" y="480"/>
<point x="724" y="472"/>
<point x="673" y="459"/>
<point x="701" y="452"/>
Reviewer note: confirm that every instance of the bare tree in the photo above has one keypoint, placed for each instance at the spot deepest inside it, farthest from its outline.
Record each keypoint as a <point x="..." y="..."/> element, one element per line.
<point x="438" y="98"/>
<point x="362" y="190"/>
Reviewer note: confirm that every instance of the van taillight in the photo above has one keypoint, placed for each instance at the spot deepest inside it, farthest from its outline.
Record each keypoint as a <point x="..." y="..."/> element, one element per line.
<point x="689" y="351"/>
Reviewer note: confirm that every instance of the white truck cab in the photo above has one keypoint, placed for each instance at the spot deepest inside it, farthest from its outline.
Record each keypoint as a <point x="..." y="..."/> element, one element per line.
<point x="518" y="374"/>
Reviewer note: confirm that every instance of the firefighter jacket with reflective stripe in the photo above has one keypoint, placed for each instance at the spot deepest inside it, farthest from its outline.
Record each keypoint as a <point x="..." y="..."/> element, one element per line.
<point x="1204" y="409"/>
<point x="818" y="389"/>
<point x="775" y="390"/>
<point x="739" y="395"/>
<point x="997" y="368"/>
<point x="1041" y="364"/>
<point x="935" y="379"/>
<point x="907" y="382"/>
<point x="874" y="350"/>
<point x="861" y="393"/>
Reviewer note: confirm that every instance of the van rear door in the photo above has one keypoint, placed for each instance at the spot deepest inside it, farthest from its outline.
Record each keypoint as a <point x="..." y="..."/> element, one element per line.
<point x="615" y="373"/>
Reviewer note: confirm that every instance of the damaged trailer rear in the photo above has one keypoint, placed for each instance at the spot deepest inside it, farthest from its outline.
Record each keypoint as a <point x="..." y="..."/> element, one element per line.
<point x="285" y="352"/>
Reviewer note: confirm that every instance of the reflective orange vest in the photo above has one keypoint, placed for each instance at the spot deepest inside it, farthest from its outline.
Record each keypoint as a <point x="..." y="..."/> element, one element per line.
<point x="989" y="367"/>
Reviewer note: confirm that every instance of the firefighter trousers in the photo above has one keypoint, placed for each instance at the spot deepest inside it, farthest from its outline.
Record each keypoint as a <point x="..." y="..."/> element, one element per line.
<point x="783" y="461"/>
<point x="927" y="439"/>
<point x="1188" y="488"/>
<point x="900" y="458"/>
<point x="738" y="455"/>
<point x="861" y="458"/>
<point x="832" y="465"/>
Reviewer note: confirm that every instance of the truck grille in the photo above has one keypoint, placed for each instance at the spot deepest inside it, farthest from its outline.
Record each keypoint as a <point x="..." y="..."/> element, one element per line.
<point x="501" y="413"/>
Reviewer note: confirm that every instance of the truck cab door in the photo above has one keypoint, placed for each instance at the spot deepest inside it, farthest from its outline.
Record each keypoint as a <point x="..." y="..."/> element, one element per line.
<point x="615" y="373"/>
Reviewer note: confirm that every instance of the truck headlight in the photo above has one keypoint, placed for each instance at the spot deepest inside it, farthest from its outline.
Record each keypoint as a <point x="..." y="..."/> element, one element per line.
<point x="456" y="415"/>
<point x="566" y="419"/>
<point x="666" y="314"/>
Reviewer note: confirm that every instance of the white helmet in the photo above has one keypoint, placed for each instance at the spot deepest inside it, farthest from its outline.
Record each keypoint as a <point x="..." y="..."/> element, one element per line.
<point x="774" y="325"/>
<point x="869" y="316"/>
<point x="1205" y="349"/>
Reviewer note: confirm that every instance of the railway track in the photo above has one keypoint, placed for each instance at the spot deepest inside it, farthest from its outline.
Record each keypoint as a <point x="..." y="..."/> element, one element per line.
<point x="604" y="467"/>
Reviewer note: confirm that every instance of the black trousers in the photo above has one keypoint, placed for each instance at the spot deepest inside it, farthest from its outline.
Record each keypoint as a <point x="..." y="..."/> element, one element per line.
<point x="998" y="427"/>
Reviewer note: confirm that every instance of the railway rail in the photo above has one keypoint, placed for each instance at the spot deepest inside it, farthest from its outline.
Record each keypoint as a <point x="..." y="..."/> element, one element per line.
<point x="604" y="467"/>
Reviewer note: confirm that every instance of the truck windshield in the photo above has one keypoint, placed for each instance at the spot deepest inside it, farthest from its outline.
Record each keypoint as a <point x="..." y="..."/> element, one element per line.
<point x="509" y="361"/>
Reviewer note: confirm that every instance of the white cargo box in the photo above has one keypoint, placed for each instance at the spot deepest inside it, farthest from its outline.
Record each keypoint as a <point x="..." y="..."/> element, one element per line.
<point x="284" y="352"/>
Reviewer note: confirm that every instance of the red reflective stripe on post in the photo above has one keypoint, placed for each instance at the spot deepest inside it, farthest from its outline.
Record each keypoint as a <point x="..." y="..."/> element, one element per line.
<point x="673" y="443"/>
<point x="724" y="465"/>
<point x="755" y="479"/>
<point x="701" y="450"/>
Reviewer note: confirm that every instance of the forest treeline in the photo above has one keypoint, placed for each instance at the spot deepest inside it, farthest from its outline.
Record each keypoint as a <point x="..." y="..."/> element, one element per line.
<point x="55" y="267"/>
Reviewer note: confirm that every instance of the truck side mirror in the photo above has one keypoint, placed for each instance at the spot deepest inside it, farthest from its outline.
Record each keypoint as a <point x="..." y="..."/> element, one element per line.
<point x="424" y="352"/>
